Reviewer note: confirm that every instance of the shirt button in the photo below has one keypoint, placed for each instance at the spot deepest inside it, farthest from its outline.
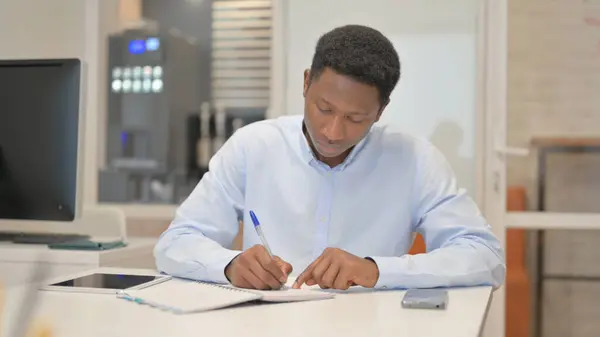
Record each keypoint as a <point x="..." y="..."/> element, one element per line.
<point x="322" y="219"/>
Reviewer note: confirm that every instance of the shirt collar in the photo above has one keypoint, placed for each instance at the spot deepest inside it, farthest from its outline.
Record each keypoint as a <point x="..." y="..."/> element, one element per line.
<point x="305" y="150"/>
<point x="308" y="155"/>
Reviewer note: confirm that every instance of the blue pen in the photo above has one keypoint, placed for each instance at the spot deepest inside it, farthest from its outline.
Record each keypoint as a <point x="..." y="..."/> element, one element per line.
<point x="260" y="232"/>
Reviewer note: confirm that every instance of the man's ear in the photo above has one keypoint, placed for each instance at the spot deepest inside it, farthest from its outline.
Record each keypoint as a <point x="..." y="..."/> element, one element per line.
<point x="306" y="82"/>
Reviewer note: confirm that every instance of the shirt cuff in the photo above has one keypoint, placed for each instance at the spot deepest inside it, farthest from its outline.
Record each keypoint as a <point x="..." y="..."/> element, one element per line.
<point x="215" y="271"/>
<point x="390" y="271"/>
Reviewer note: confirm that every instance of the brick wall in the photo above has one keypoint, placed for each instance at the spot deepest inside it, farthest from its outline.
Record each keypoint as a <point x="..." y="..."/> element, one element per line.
<point x="553" y="80"/>
<point x="553" y="90"/>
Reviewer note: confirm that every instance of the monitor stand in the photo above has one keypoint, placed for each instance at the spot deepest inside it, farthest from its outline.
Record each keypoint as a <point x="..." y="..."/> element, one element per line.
<point x="8" y="209"/>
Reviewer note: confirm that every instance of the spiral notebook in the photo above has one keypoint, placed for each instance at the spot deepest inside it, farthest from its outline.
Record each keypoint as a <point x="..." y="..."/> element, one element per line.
<point x="185" y="296"/>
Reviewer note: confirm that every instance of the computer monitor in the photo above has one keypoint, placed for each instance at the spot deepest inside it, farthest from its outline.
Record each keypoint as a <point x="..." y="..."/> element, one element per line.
<point x="40" y="140"/>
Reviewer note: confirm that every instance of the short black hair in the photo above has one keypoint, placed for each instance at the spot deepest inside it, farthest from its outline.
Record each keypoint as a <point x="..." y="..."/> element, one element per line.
<point x="360" y="52"/>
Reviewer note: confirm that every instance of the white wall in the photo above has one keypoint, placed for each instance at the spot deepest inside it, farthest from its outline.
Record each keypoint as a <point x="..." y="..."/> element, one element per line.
<point x="435" y="39"/>
<point x="41" y="28"/>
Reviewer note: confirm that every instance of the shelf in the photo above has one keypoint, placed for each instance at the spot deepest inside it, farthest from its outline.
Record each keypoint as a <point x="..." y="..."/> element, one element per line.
<point x="553" y="220"/>
<point x="565" y="141"/>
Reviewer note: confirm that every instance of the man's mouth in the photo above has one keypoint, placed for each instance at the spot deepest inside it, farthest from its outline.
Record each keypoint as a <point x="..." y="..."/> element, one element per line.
<point x="328" y="147"/>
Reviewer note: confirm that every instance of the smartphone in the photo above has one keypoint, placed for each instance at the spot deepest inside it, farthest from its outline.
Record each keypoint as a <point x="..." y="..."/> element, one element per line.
<point x="425" y="299"/>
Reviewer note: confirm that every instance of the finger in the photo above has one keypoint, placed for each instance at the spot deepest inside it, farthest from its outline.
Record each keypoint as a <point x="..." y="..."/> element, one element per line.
<point x="244" y="269"/>
<point x="319" y="271"/>
<point x="285" y="267"/>
<point x="306" y="274"/>
<point x="270" y="265"/>
<point x="303" y="277"/>
<point x="269" y="280"/>
<point x="255" y="283"/>
<point x="236" y="279"/>
<point x="342" y="280"/>
<point x="241" y="282"/>
<point x="235" y="270"/>
<point x="328" y="279"/>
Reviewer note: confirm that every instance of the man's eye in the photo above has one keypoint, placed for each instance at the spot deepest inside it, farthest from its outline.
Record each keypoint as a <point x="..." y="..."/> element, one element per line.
<point x="356" y="119"/>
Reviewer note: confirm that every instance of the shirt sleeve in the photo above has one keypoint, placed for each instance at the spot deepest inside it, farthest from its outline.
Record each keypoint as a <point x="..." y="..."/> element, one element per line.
<point x="197" y="244"/>
<point x="461" y="247"/>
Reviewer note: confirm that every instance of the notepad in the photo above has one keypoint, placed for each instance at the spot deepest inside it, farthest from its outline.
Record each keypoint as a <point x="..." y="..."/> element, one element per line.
<point x="287" y="294"/>
<point x="186" y="296"/>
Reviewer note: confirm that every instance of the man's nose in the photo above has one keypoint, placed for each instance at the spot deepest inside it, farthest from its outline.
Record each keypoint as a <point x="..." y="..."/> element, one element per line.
<point x="334" y="129"/>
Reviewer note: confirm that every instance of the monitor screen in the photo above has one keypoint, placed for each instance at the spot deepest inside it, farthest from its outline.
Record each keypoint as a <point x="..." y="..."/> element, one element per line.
<point x="39" y="134"/>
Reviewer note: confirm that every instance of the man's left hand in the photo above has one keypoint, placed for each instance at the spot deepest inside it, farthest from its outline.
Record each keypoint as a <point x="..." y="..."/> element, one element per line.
<point x="338" y="269"/>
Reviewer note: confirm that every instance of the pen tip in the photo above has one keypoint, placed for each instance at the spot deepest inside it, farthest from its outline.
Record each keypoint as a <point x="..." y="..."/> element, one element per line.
<point x="254" y="218"/>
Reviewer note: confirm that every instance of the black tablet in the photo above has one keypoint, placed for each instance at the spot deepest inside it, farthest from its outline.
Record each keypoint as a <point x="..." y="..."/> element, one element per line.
<point x="105" y="282"/>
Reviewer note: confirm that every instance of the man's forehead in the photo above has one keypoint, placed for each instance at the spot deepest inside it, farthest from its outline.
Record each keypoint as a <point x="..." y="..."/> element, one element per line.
<point x="350" y="99"/>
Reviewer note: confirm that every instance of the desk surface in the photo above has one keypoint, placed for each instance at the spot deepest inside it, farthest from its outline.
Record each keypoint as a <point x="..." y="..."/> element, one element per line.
<point x="10" y="252"/>
<point x="363" y="313"/>
<point x="17" y="260"/>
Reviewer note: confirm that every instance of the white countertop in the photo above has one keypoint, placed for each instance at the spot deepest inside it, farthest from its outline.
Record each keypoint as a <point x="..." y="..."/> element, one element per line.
<point x="348" y="314"/>
<point x="11" y="252"/>
<point x="17" y="260"/>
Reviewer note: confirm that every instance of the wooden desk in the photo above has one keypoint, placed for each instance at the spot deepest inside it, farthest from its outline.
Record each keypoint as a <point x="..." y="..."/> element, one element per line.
<point x="546" y="146"/>
<point x="350" y="314"/>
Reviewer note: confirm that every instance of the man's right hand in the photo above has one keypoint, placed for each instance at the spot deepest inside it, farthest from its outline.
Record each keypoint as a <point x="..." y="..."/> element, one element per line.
<point x="255" y="269"/>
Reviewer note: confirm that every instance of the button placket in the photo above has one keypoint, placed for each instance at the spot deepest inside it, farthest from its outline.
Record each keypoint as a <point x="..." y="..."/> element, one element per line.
<point x="322" y="216"/>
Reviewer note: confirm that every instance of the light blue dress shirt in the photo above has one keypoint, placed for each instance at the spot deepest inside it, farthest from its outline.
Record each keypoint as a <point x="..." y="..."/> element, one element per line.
<point x="390" y="186"/>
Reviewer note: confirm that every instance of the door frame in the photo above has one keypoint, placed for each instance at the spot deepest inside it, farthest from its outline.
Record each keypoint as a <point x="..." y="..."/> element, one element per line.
<point x="492" y="55"/>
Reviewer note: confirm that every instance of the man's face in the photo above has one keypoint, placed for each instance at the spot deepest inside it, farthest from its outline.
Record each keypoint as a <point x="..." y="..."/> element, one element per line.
<point x="338" y="112"/>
